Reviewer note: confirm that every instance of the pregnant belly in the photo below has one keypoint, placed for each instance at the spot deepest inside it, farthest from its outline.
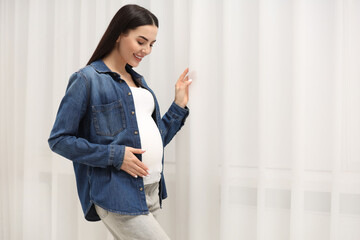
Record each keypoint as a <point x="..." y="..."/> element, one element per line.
<point x="151" y="141"/>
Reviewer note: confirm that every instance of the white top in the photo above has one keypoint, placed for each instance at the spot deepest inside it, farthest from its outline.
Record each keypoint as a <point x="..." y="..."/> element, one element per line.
<point x="149" y="133"/>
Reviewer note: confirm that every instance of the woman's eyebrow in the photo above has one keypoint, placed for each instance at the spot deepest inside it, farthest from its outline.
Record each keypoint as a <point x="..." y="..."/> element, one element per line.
<point x="146" y="39"/>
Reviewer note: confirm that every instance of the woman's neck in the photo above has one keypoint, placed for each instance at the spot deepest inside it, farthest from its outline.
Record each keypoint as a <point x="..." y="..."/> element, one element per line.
<point x="114" y="62"/>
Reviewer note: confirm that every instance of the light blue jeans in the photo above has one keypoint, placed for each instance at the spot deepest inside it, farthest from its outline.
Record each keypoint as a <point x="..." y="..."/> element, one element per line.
<point x="139" y="226"/>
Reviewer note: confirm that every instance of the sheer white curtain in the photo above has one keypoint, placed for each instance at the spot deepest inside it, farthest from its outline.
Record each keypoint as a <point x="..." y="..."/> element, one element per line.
<point x="271" y="149"/>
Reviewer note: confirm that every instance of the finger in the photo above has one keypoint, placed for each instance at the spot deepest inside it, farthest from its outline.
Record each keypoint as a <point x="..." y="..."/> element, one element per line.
<point x="132" y="173"/>
<point x="137" y="150"/>
<point x="184" y="73"/>
<point x="186" y="79"/>
<point x="139" y="171"/>
<point x="141" y="165"/>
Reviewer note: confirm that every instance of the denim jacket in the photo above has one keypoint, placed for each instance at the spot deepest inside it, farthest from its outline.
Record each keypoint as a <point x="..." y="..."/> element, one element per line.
<point x="95" y="121"/>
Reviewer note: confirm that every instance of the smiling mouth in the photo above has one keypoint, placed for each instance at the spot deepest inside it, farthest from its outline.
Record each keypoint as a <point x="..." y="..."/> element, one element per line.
<point x="137" y="57"/>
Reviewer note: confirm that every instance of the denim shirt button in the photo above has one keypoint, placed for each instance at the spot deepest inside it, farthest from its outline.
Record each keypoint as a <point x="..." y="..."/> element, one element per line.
<point x="129" y="93"/>
<point x="136" y="132"/>
<point x="132" y="112"/>
<point x="141" y="189"/>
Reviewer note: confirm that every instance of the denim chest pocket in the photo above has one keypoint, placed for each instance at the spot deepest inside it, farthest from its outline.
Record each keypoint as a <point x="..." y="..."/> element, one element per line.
<point x="109" y="119"/>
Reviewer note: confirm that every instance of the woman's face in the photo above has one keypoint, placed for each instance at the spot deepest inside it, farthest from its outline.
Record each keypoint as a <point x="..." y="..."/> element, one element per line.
<point x="136" y="44"/>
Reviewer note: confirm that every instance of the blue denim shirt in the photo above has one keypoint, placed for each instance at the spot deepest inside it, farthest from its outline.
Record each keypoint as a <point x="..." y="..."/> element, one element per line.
<point x="95" y="121"/>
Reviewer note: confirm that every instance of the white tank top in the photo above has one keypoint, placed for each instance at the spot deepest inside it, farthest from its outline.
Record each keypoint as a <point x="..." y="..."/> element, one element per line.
<point x="149" y="133"/>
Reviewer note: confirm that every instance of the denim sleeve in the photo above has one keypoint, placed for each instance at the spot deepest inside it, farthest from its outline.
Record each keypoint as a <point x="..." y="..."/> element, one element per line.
<point x="63" y="139"/>
<point x="173" y="120"/>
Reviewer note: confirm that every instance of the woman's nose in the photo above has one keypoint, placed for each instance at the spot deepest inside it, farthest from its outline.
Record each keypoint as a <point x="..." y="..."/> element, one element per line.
<point x="146" y="50"/>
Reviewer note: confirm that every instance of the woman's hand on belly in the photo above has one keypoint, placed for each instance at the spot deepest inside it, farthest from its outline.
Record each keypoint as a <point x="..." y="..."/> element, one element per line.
<point x="132" y="165"/>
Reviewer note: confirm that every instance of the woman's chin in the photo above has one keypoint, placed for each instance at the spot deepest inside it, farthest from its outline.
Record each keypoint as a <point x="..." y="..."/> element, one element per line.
<point x="134" y="64"/>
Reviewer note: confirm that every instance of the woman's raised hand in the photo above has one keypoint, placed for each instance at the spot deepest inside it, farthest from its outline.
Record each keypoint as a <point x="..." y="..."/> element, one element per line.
<point x="132" y="165"/>
<point x="182" y="89"/>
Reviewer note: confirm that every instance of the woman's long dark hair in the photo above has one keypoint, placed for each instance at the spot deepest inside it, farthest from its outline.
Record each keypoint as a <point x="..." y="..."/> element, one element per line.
<point x="127" y="18"/>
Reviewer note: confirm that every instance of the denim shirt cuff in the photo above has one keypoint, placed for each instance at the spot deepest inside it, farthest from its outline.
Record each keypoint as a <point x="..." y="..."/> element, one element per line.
<point x="178" y="112"/>
<point x="116" y="155"/>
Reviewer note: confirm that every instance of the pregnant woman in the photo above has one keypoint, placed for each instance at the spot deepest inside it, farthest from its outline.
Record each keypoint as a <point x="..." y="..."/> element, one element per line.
<point x="109" y="125"/>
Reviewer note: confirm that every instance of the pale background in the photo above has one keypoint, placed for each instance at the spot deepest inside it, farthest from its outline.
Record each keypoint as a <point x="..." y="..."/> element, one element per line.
<point x="270" y="151"/>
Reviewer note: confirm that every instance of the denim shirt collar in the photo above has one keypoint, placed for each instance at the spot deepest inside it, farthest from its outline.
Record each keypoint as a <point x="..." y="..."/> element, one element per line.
<point x="101" y="67"/>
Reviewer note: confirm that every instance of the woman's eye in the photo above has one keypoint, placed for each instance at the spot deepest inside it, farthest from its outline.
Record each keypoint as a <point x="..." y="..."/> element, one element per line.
<point x="141" y="43"/>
